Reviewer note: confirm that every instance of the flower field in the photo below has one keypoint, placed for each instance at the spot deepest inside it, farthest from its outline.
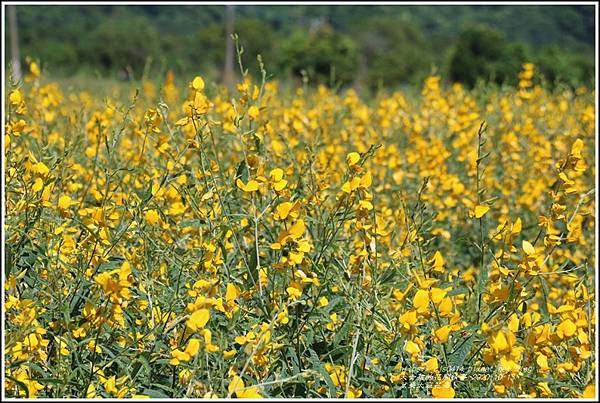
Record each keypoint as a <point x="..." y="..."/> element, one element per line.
<point x="186" y="241"/>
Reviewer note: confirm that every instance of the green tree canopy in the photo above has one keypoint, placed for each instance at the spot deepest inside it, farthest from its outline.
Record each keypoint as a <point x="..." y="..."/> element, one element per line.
<point x="325" y="55"/>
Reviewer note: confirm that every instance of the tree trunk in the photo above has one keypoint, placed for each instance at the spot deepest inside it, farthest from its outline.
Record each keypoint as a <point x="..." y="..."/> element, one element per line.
<point x="228" y="74"/>
<point x="14" y="42"/>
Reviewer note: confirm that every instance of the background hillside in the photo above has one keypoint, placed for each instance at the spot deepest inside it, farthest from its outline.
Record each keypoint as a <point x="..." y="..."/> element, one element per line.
<point x="363" y="45"/>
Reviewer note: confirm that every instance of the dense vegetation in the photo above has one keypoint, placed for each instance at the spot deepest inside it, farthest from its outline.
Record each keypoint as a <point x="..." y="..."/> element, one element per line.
<point x="190" y="241"/>
<point x="369" y="46"/>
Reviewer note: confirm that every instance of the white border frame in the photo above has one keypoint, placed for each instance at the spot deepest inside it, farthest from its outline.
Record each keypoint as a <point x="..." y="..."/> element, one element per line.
<point x="324" y="3"/>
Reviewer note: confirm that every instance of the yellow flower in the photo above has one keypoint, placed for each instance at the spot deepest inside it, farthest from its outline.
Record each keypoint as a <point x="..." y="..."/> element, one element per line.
<point x="285" y="210"/>
<point x="91" y="392"/>
<point x="294" y="291"/>
<point x="443" y="389"/>
<point x="408" y="320"/>
<point x="64" y="202"/>
<point x="198" y="83"/>
<point x="238" y="388"/>
<point x="15" y="97"/>
<point x="41" y="168"/>
<point x="421" y="301"/>
<point x="480" y="210"/>
<point x="251" y="186"/>
<point x="229" y="354"/>
<point x="589" y="392"/>
<point x="334" y="321"/>
<point x="412" y="348"/>
<point x="253" y="112"/>
<point x="277" y="181"/>
<point x="93" y="347"/>
<point x="152" y="217"/>
<point x="198" y="319"/>
<point x="178" y="356"/>
<point x="39" y="185"/>
<point x="441" y="334"/>
<point x="352" y="159"/>
<point x="431" y="365"/>
<point x="566" y="329"/>
<point x="528" y="248"/>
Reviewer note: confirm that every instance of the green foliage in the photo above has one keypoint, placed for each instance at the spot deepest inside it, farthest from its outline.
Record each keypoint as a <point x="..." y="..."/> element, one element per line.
<point x="369" y="45"/>
<point x="392" y="51"/>
<point x="255" y="37"/>
<point x="483" y="53"/>
<point x="325" y="55"/>
<point x="123" y="42"/>
<point x="559" y="66"/>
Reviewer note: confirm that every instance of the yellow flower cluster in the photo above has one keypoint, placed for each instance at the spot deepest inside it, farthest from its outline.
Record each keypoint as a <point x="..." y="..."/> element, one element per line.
<point x="271" y="242"/>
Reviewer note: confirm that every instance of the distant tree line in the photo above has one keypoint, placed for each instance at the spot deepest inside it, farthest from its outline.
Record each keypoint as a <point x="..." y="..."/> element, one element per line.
<point x="374" y="46"/>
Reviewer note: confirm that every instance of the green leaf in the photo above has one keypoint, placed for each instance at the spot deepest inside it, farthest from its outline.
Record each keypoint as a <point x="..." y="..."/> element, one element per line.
<point x="457" y="291"/>
<point x="242" y="171"/>
<point x="137" y="365"/>
<point x="458" y="357"/>
<point x="20" y="384"/>
<point x="153" y="393"/>
<point x="318" y="366"/>
<point x="343" y="332"/>
<point x="252" y="266"/>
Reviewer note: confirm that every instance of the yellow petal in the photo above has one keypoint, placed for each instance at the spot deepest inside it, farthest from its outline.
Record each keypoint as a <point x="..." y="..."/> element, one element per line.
<point x="437" y="294"/>
<point x="412" y="348"/>
<point x="499" y="343"/>
<point x="193" y="347"/>
<point x="279" y="186"/>
<point x="64" y="202"/>
<point x="152" y="217"/>
<point x="198" y="319"/>
<point x="421" y="301"/>
<point x="236" y="384"/>
<point x="352" y="158"/>
<point x="297" y="230"/>
<point x="408" y="319"/>
<point x="442" y="333"/>
<point x="431" y="365"/>
<point x="41" y="168"/>
<point x="517" y="226"/>
<point x="231" y="293"/>
<point x="445" y="307"/>
<point x="253" y="112"/>
<point x="480" y="210"/>
<point x="251" y="186"/>
<point x="589" y="392"/>
<point x="15" y="97"/>
<point x="528" y="248"/>
<point x="283" y="210"/>
<point x="198" y="83"/>
<point x="567" y="328"/>
<point x="366" y="180"/>
<point x="443" y="389"/>
<point x="276" y="174"/>
<point x="38" y="185"/>
<point x="182" y="122"/>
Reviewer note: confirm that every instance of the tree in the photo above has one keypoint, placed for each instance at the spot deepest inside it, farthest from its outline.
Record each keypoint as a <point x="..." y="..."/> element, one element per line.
<point x="557" y="65"/>
<point x="14" y="43"/>
<point x="483" y="53"/>
<point x="393" y="51"/>
<point x="326" y="56"/>
<point x="255" y="37"/>
<point x="228" y="75"/>
<point x="122" y="42"/>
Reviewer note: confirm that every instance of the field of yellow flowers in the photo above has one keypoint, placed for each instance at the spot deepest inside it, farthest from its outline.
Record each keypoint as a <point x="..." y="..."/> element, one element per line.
<point x="186" y="241"/>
